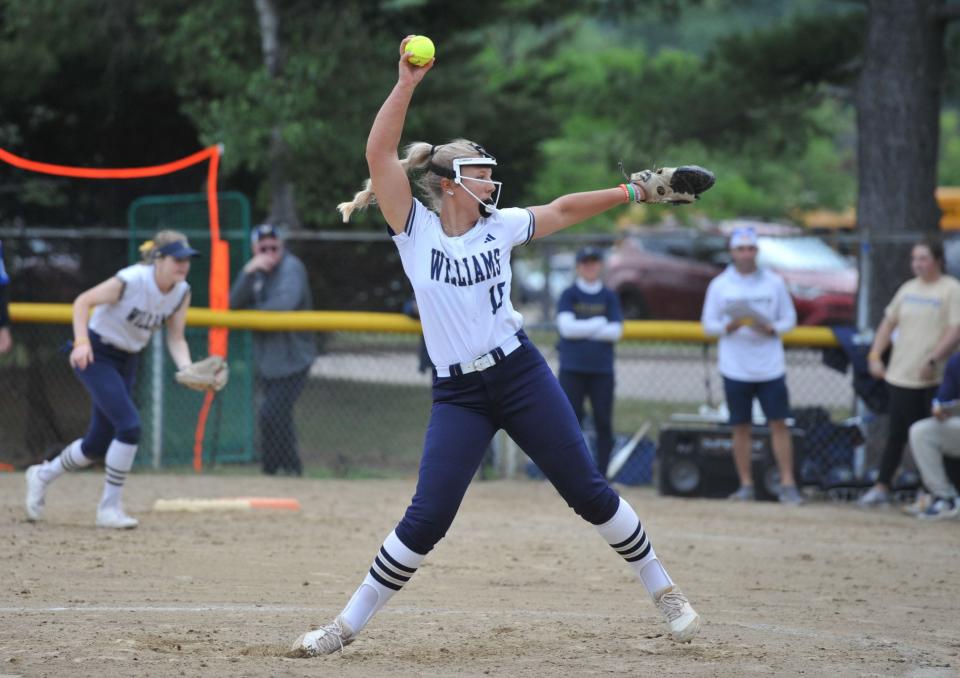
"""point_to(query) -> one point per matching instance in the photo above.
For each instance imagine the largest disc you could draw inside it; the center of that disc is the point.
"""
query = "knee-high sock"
(119, 461)
(71, 458)
(391, 569)
(627, 537)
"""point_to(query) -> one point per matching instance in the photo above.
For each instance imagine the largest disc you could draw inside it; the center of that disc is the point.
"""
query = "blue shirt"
(4, 278)
(950, 386)
(4, 281)
(588, 355)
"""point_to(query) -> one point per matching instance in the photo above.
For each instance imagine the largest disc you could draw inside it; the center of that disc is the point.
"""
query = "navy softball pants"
(522, 396)
(109, 379)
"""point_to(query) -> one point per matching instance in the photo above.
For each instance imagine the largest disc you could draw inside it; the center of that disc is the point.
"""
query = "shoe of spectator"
(789, 494)
(919, 505)
(874, 497)
(745, 493)
(941, 508)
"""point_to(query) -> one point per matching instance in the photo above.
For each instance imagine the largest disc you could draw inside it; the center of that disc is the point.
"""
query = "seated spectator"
(935, 438)
(6, 341)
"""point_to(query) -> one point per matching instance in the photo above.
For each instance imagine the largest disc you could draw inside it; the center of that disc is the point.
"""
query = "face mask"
(486, 208)
(483, 160)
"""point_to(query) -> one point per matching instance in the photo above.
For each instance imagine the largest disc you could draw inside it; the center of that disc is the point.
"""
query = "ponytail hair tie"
(146, 246)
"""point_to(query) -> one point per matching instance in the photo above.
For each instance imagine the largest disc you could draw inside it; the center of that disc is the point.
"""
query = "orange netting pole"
(115, 173)
(219, 298)
(219, 249)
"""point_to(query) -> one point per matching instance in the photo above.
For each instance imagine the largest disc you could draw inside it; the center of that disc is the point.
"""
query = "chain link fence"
(364, 405)
(365, 401)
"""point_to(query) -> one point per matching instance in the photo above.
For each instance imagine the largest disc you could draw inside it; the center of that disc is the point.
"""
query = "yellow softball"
(422, 50)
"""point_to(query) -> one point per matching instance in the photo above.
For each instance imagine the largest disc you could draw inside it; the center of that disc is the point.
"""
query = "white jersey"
(462, 284)
(142, 308)
(745, 354)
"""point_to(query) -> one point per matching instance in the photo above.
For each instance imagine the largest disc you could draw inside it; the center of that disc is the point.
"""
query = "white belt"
(481, 363)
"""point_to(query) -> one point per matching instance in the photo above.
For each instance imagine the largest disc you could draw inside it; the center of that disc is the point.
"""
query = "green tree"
(83, 84)
(898, 123)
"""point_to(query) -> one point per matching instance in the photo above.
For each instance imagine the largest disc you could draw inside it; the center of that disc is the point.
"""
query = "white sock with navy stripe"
(627, 537)
(70, 459)
(119, 461)
(391, 569)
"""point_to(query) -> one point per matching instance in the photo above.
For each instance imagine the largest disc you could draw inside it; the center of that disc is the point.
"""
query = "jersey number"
(496, 296)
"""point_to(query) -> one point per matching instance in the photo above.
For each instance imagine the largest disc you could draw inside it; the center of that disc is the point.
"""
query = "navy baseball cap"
(589, 253)
(178, 249)
(262, 232)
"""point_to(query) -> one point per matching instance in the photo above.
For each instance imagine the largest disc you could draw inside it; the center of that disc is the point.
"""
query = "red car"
(664, 274)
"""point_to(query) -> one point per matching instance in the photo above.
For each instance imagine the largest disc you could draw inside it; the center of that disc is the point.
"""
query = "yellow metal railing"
(353, 321)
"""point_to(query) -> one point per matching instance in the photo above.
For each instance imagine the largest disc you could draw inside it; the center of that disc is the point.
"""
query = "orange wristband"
(873, 355)
(626, 192)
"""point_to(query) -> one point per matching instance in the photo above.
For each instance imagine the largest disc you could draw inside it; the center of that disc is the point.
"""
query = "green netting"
(169, 413)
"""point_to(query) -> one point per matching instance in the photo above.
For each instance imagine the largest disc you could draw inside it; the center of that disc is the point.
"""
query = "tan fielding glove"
(209, 374)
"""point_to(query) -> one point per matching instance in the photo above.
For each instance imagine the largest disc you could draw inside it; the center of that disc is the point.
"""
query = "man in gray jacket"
(275, 280)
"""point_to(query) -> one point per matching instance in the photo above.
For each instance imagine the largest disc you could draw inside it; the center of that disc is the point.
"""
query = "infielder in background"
(590, 322)
(130, 306)
(6, 340)
(749, 308)
(487, 373)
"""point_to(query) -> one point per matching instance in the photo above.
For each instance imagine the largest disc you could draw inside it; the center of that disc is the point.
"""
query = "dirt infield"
(520, 586)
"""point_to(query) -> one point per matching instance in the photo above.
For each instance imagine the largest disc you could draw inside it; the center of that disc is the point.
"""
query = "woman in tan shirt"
(925, 312)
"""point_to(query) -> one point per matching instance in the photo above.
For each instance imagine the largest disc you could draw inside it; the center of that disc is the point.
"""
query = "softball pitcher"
(487, 373)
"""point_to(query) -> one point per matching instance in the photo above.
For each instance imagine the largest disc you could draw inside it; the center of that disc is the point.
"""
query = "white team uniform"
(462, 284)
(142, 308)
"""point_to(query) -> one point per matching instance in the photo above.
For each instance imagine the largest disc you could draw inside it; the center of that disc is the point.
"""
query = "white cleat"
(36, 493)
(325, 640)
(114, 518)
(683, 619)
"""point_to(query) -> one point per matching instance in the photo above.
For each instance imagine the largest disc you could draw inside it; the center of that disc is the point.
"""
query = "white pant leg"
(930, 441)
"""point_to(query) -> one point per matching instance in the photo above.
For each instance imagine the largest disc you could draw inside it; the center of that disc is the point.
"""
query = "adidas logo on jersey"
(489, 238)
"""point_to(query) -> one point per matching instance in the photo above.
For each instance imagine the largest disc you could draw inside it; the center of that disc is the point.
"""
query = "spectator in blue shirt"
(6, 341)
(590, 322)
(936, 438)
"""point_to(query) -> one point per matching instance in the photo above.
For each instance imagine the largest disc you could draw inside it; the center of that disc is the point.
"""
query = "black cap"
(264, 231)
(588, 253)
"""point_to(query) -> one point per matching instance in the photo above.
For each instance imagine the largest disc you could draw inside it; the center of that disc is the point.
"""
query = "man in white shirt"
(749, 308)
